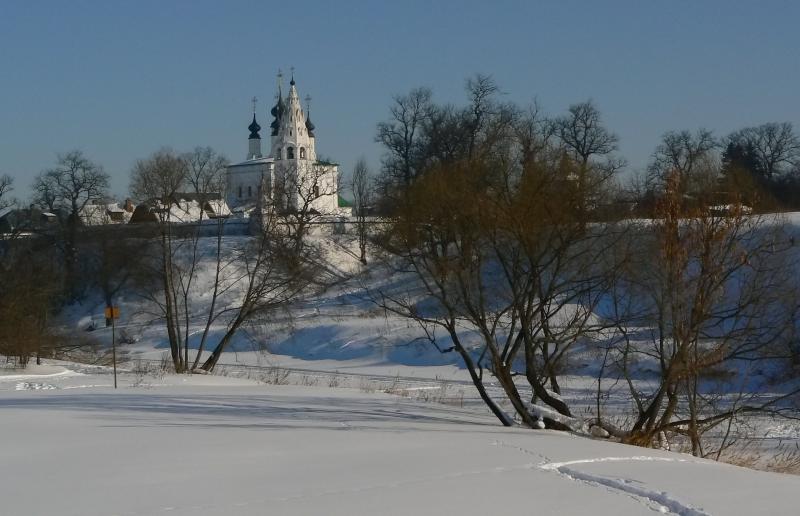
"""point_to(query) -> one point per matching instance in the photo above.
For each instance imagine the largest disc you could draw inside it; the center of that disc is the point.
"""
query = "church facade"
(290, 176)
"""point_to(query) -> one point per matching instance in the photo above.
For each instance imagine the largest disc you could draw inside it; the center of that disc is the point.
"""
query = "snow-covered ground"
(202, 445)
(211, 445)
(342, 331)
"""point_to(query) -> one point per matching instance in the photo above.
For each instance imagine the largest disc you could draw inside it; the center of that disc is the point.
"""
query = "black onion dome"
(277, 112)
(277, 109)
(310, 125)
(254, 128)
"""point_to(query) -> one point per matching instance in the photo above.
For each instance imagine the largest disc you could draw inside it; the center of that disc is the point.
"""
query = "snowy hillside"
(344, 331)
(211, 445)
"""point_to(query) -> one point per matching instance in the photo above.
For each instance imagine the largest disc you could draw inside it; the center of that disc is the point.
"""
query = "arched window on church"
(278, 154)
(240, 192)
(302, 153)
(249, 191)
(289, 152)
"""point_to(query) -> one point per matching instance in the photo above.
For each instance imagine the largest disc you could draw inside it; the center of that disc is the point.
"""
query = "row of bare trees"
(24, 310)
(41, 263)
(522, 262)
(200, 285)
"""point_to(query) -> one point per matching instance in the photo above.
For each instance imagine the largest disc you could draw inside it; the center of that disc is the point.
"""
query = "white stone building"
(290, 176)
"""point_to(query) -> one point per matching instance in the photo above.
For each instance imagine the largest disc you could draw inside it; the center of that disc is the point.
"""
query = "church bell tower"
(292, 130)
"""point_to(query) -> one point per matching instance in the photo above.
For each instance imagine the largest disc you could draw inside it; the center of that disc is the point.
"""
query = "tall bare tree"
(589, 144)
(155, 181)
(401, 134)
(362, 200)
(702, 297)
(586, 138)
(274, 269)
(534, 132)
(496, 237)
(75, 182)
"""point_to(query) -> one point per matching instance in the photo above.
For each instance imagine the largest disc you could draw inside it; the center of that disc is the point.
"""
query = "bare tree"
(206, 170)
(75, 182)
(684, 154)
(6, 186)
(400, 135)
(44, 192)
(586, 138)
(300, 194)
(166, 178)
(362, 199)
(502, 260)
(205, 178)
(155, 181)
(480, 92)
(774, 145)
(72, 184)
(159, 177)
(283, 262)
(276, 269)
(589, 144)
(534, 132)
(701, 295)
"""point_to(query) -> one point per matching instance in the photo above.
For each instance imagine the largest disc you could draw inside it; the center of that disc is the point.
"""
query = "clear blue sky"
(121, 79)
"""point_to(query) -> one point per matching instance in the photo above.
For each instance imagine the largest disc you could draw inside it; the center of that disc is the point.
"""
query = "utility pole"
(112, 312)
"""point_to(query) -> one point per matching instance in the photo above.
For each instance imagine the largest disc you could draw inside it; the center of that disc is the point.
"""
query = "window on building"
(302, 153)
(289, 152)
(249, 191)
(278, 154)
(240, 192)
(316, 190)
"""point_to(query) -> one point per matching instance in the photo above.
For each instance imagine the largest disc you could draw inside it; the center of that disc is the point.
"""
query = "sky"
(121, 79)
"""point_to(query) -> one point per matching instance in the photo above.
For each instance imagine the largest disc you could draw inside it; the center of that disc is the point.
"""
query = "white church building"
(289, 176)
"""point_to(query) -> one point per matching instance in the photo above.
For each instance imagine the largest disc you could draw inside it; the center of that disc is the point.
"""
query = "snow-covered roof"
(99, 214)
(256, 161)
(182, 210)
(219, 207)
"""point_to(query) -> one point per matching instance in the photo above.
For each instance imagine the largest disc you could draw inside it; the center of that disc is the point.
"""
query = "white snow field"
(210, 445)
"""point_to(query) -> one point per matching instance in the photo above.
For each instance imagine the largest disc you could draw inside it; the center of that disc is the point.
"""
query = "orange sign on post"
(112, 312)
